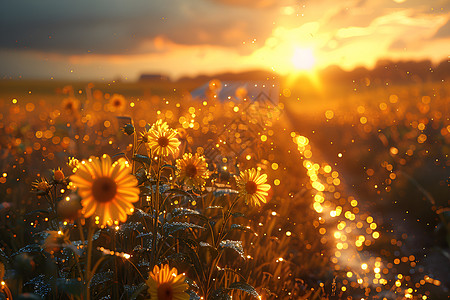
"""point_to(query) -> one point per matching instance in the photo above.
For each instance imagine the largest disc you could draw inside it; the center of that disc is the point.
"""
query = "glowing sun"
(303, 59)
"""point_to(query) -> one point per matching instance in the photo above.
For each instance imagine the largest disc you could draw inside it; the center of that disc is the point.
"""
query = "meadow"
(131, 190)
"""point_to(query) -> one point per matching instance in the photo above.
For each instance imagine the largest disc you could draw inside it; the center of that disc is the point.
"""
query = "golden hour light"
(224, 149)
(303, 59)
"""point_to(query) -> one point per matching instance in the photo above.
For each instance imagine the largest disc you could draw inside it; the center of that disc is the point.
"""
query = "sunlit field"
(161, 190)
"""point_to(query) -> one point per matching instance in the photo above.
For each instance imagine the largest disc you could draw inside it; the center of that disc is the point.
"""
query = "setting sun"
(303, 59)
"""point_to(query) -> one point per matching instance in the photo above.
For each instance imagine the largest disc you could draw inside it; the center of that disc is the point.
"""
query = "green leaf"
(193, 295)
(191, 283)
(181, 212)
(234, 245)
(167, 166)
(214, 207)
(29, 249)
(243, 286)
(141, 288)
(179, 192)
(96, 235)
(223, 192)
(177, 257)
(221, 294)
(170, 228)
(37, 211)
(101, 278)
(208, 246)
(242, 228)
(143, 159)
(69, 286)
(238, 214)
(121, 154)
(139, 213)
(191, 243)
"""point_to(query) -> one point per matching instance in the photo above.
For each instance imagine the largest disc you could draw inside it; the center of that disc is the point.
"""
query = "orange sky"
(109, 39)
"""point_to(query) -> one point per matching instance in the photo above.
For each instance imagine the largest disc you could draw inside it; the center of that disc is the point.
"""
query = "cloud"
(259, 4)
(218, 34)
(118, 27)
(443, 32)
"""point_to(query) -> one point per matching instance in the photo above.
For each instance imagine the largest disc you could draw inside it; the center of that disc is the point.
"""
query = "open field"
(358, 204)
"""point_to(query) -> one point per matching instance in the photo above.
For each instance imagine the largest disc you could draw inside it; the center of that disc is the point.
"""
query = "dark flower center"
(163, 141)
(104, 189)
(116, 103)
(165, 291)
(69, 106)
(191, 170)
(251, 187)
(59, 175)
(43, 186)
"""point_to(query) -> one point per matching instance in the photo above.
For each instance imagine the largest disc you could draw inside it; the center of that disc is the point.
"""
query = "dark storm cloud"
(119, 27)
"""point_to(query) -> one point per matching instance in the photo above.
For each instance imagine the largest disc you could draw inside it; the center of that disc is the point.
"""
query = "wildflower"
(128, 129)
(117, 102)
(159, 125)
(41, 186)
(73, 163)
(144, 136)
(70, 105)
(107, 190)
(55, 240)
(193, 169)
(253, 187)
(165, 284)
(58, 175)
(162, 140)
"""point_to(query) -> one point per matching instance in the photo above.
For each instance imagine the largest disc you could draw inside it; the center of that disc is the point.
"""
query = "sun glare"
(303, 59)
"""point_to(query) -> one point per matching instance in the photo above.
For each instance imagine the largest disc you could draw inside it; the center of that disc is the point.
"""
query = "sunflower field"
(109, 193)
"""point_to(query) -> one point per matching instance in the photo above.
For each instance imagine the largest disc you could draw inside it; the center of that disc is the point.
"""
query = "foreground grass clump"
(127, 220)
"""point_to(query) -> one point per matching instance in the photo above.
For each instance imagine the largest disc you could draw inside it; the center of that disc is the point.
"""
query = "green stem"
(136, 269)
(134, 149)
(156, 204)
(225, 222)
(116, 279)
(89, 258)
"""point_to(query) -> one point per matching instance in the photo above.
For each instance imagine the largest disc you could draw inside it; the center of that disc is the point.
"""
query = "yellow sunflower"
(107, 190)
(193, 169)
(166, 284)
(158, 125)
(253, 187)
(162, 139)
